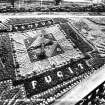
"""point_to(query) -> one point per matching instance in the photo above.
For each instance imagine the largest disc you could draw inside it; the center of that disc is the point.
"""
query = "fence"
(25, 3)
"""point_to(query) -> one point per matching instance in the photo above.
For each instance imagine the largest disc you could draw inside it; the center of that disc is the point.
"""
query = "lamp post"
(41, 2)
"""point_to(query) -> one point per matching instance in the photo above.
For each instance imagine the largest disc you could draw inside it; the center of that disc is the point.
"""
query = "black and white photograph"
(71, 7)
(52, 61)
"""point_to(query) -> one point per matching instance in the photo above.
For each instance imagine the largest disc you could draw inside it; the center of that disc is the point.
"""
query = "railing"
(83, 89)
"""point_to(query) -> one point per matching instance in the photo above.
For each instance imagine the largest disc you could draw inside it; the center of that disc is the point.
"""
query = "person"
(12, 3)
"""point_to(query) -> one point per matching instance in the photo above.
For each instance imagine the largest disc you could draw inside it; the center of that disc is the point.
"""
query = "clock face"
(38, 50)
(42, 46)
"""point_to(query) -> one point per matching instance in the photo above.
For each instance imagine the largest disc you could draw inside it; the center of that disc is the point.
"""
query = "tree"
(57, 2)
